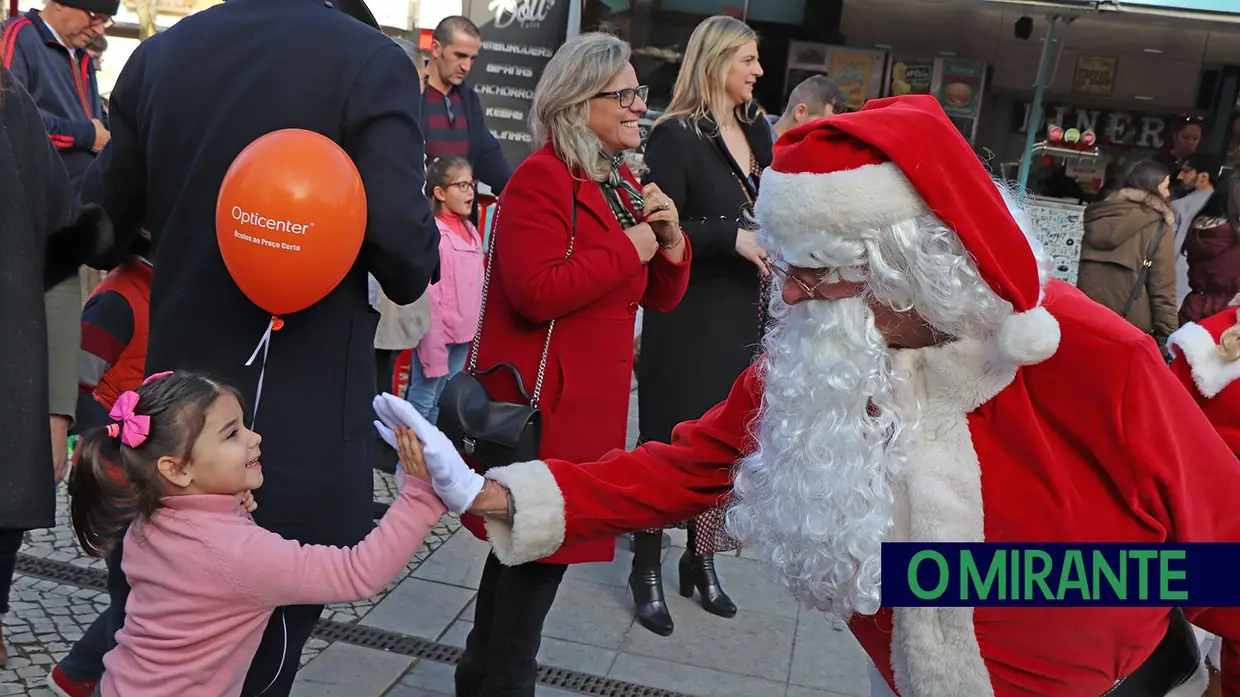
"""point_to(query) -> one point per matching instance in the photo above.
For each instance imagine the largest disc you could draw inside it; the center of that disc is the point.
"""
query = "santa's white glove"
(454, 482)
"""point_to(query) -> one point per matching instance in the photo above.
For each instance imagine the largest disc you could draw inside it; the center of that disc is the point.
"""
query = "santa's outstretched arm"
(1186, 479)
(554, 503)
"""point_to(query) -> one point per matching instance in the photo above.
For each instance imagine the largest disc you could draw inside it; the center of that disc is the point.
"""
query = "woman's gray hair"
(561, 110)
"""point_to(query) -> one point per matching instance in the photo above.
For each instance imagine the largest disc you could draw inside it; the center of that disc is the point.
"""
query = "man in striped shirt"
(453, 120)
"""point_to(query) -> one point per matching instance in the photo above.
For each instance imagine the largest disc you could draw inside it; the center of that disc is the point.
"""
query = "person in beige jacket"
(1128, 251)
(401, 327)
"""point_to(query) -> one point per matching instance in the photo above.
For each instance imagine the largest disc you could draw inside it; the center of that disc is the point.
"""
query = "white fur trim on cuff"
(804, 211)
(1211, 372)
(1029, 337)
(538, 528)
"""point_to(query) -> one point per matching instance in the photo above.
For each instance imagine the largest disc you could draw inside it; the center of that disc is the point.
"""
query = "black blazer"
(189, 100)
(693, 354)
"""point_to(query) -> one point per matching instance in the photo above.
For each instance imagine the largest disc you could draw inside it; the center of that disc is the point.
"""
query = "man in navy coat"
(187, 102)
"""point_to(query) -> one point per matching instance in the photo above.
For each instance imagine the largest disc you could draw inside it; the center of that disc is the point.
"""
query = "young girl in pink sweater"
(204, 577)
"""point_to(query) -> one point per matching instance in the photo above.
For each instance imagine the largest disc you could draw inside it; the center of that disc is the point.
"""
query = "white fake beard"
(815, 498)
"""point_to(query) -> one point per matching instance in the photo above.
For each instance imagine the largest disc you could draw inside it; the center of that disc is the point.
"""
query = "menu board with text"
(518, 39)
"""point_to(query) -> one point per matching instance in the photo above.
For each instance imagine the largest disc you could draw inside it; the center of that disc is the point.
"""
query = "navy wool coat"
(187, 102)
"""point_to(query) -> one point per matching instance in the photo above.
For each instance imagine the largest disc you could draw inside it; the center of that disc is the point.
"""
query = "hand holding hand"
(747, 246)
(644, 240)
(246, 499)
(660, 212)
(453, 481)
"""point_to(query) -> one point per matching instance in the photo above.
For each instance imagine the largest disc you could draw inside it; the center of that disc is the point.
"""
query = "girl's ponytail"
(99, 494)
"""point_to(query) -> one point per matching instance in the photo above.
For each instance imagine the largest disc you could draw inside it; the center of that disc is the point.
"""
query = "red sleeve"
(668, 281)
(1188, 480)
(532, 239)
(561, 503)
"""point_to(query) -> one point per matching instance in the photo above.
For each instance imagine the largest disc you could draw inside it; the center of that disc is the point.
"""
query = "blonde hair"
(702, 82)
(560, 113)
(1229, 342)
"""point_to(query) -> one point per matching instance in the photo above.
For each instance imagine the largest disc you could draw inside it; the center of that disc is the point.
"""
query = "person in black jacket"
(45, 242)
(187, 102)
(706, 152)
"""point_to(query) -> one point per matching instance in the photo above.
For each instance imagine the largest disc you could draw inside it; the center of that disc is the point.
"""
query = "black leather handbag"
(488, 432)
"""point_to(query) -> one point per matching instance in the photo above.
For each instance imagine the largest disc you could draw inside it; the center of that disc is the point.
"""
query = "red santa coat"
(1207, 375)
(1095, 444)
(593, 296)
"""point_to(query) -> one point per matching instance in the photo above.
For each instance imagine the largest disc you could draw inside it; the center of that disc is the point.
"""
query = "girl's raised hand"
(412, 461)
(246, 499)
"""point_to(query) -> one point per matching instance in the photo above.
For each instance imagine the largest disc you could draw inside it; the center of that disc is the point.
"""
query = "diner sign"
(518, 39)
(1112, 126)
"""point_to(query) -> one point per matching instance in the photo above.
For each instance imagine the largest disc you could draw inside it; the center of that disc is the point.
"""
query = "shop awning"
(1202, 10)
(1206, 10)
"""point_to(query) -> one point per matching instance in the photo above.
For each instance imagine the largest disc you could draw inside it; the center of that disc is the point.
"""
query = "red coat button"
(633, 308)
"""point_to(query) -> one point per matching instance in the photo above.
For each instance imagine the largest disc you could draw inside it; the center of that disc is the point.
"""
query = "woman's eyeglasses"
(627, 96)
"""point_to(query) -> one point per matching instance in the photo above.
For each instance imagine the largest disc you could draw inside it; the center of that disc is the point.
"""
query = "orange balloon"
(290, 219)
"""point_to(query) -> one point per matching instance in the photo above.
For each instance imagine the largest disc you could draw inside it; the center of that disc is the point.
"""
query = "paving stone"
(798, 691)
(827, 657)
(748, 644)
(343, 670)
(420, 608)
(691, 680)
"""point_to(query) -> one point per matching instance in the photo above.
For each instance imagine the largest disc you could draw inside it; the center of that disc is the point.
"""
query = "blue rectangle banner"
(1061, 574)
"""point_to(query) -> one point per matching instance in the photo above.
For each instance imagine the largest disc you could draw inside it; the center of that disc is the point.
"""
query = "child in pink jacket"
(456, 299)
(205, 578)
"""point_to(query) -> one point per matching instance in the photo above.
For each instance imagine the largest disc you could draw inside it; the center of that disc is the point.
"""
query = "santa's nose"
(794, 293)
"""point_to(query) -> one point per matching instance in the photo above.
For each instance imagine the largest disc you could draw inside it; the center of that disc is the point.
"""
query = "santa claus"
(923, 381)
(1207, 362)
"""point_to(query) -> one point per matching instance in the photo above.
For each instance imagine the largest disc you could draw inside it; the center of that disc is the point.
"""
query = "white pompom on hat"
(897, 159)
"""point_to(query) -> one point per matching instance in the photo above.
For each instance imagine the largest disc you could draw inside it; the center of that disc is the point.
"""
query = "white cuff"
(538, 527)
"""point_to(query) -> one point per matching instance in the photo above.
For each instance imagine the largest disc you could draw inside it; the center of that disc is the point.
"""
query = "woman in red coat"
(627, 250)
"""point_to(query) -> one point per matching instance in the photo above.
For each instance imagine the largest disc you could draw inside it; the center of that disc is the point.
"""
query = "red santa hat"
(843, 177)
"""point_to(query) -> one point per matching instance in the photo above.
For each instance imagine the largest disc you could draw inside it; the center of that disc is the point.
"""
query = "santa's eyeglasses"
(821, 276)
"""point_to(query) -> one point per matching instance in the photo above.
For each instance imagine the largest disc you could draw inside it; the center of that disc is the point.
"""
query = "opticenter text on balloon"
(269, 223)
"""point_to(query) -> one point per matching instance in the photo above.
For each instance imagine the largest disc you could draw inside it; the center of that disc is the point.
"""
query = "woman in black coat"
(44, 241)
(707, 153)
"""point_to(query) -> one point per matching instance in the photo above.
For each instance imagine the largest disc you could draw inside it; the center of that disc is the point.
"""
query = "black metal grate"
(369, 637)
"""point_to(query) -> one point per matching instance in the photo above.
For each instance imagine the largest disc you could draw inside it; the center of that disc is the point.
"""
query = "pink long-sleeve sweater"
(206, 578)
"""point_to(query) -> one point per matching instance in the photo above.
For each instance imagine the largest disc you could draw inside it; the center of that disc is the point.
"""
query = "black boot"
(646, 582)
(698, 571)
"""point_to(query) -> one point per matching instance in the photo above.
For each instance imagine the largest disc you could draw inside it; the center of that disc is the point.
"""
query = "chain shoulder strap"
(486, 286)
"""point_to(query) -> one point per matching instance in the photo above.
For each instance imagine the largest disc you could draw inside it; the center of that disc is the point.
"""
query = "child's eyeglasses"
(465, 187)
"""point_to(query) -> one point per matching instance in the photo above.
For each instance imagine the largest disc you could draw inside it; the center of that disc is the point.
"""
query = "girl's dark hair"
(1216, 205)
(112, 482)
(439, 174)
(1147, 176)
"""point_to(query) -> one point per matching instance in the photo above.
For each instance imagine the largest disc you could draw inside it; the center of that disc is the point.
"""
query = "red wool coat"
(593, 296)
(1207, 375)
(1097, 443)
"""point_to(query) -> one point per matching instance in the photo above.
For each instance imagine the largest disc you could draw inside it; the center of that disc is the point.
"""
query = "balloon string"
(264, 344)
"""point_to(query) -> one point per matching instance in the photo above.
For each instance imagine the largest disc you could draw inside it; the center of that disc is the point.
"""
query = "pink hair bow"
(132, 428)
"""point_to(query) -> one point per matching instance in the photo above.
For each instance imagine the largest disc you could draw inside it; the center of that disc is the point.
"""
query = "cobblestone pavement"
(45, 617)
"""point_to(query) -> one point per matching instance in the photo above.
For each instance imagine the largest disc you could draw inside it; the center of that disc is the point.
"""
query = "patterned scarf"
(611, 188)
